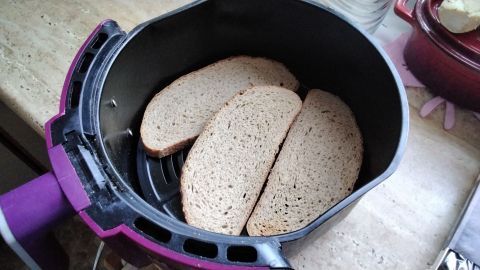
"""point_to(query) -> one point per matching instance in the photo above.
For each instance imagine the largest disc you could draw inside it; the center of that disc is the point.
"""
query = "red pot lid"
(464, 47)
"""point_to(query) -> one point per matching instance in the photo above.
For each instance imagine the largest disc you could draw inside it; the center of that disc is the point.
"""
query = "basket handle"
(27, 215)
(403, 11)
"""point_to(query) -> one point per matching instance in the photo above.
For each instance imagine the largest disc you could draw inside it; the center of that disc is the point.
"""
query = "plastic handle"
(27, 215)
(403, 11)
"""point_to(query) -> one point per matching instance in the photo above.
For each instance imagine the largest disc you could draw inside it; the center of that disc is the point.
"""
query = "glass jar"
(366, 13)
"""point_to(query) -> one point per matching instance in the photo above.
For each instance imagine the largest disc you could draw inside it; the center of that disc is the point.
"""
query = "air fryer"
(130, 200)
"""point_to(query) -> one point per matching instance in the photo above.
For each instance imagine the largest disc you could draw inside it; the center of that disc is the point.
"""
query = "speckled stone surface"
(38, 40)
(399, 225)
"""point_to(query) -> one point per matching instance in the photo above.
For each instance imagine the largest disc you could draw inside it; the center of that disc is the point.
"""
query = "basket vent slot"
(101, 38)
(153, 230)
(75, 94)
(86, 61)
(246, 254)
(200, 248)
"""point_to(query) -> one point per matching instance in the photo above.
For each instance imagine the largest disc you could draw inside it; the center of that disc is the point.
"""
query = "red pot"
(448, 64)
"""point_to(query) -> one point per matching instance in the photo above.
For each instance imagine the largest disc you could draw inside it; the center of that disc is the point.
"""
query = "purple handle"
(27, 215)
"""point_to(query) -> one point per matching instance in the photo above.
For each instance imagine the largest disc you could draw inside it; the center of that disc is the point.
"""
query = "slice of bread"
(177, 114)
(316, 168)
(229, 162)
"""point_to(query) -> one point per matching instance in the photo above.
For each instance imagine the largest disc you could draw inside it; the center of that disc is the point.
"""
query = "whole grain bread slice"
(316, 168)
(178, 113)
(229, 162)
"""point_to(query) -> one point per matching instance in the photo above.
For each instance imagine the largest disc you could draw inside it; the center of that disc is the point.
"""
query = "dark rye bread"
(316, 168)
(229, 162)
(178, 113)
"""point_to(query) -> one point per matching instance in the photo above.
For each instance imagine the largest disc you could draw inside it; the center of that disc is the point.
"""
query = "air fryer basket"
(130, 188)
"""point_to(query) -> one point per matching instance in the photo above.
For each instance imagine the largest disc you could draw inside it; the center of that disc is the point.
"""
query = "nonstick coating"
(320, 49)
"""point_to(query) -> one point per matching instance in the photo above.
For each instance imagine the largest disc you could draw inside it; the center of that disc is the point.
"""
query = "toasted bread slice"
(316, 168)
(177, 114)
(229, 162)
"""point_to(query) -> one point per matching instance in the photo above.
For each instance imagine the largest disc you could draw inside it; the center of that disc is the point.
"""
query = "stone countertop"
(401, 224)
(39, 39)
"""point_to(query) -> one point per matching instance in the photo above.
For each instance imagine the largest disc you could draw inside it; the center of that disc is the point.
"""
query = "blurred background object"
(366, 13)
